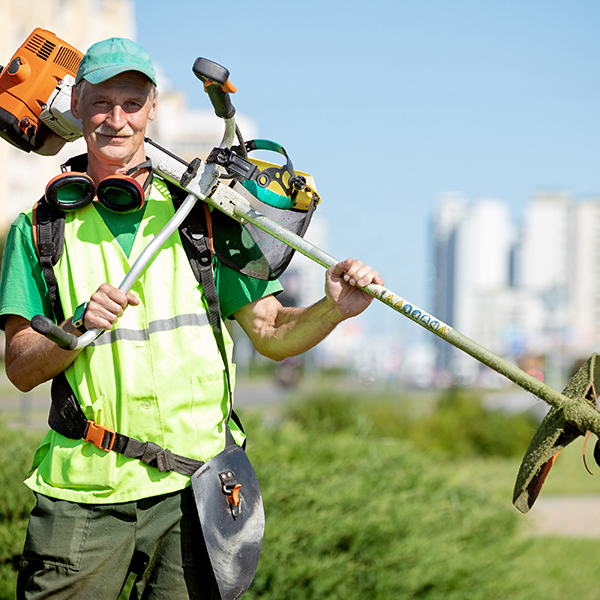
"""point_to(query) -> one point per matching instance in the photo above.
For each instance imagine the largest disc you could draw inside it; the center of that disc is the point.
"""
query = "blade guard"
(554, 434)
(232, 520)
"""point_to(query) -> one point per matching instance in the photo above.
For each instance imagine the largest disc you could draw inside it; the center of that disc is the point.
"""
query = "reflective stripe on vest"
(109, 337)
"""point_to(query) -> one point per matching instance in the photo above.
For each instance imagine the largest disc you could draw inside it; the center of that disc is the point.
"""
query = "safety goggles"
(72, 190)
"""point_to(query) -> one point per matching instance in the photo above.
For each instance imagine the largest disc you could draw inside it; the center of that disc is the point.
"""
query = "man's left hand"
(342, 286)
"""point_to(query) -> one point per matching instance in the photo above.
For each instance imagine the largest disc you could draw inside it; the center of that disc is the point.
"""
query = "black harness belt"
(67, 418)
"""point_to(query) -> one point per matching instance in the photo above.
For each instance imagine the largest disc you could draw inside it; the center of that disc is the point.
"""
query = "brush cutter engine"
(35, 94)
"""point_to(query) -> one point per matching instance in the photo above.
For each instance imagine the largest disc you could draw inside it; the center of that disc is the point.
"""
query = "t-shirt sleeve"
(236, 289)
(23, 290)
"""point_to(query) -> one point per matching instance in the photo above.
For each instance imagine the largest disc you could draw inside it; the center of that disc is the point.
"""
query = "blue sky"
(389, 103)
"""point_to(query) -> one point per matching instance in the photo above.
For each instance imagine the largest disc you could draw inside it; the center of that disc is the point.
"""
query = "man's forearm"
(300, 329)
(30, 358)
(278, 331)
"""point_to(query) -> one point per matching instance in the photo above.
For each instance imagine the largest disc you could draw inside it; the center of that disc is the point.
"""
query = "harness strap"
(197, 245)
(68, 419)
(196, 237)
(49, 237)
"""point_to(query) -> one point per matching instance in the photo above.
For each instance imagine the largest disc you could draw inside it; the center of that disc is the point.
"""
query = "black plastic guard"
(554, 434)
(233, 543)
(12, 133)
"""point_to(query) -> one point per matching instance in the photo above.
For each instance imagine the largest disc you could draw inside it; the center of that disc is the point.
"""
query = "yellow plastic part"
(304, 198)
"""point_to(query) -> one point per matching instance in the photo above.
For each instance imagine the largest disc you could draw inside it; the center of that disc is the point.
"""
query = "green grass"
(350, 516)
(559, 569)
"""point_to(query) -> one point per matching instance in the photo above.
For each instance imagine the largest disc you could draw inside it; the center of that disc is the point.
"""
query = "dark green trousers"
(89, 550)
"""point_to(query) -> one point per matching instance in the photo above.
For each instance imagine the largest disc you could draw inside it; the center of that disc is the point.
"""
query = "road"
(31, 409)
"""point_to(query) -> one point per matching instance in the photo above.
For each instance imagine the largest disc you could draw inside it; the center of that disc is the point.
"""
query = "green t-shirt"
(23, 289)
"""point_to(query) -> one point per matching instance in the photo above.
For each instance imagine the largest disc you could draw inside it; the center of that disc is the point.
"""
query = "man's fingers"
(360, 274)
(106, 305)
(356, 273)
(342, 267)
(102, 318)
(132, 300)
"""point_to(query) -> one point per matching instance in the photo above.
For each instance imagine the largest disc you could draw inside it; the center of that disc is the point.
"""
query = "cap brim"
(106, 73)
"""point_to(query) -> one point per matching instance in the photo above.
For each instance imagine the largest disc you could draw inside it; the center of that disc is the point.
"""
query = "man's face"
(114, 115)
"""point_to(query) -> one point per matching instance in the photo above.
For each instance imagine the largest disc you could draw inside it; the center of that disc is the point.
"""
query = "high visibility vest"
(157, 375)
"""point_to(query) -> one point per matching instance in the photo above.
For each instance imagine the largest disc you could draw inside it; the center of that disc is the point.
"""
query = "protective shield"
(554, 434)
(231, 514)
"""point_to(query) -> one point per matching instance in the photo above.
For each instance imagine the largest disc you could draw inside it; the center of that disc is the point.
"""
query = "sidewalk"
(568, 516)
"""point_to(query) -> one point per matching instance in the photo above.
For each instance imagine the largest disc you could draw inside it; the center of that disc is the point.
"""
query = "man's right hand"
(105, 307)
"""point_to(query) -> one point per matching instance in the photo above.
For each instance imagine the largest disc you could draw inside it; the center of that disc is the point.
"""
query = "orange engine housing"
(27, 83)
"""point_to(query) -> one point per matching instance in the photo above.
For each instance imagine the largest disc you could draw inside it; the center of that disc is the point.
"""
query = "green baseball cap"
(111, 57)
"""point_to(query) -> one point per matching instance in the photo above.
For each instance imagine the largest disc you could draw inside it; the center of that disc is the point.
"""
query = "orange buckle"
(96, 434)
(234, 501)
(234, 497)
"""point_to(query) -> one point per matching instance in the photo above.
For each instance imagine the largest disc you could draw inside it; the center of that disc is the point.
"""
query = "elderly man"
(157, 376)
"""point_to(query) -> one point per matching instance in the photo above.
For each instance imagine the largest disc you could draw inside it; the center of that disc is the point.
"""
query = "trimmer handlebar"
(53, 332)
(217, 85)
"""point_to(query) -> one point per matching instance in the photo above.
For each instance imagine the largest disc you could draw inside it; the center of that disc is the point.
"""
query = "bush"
(16, 501)
(349, 517)
(459, 425)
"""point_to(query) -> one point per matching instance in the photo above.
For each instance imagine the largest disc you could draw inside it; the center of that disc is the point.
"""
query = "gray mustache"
(104, 129)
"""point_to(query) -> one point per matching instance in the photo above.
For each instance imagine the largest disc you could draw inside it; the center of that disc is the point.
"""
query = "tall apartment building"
(584, 278)
(472, 256)
(449, 212)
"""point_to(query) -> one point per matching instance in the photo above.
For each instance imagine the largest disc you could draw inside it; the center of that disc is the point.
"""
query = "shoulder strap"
(49, 238)
(48, 226)
(196, 237)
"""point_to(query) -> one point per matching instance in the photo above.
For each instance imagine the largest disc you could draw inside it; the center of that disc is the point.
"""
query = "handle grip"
(53, 332)
(216, 85)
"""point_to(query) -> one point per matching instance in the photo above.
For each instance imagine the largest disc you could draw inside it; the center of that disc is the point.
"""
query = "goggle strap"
(147, 164)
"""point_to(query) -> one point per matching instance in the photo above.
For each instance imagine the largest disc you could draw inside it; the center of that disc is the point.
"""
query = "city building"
(472, 252)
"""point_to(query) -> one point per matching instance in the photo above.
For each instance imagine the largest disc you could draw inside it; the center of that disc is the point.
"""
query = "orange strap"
(209, 227)
(587, 437)
(34, 224)
(234, 497)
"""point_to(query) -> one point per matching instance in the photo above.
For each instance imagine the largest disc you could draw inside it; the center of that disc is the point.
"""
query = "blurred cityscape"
(528, 292)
